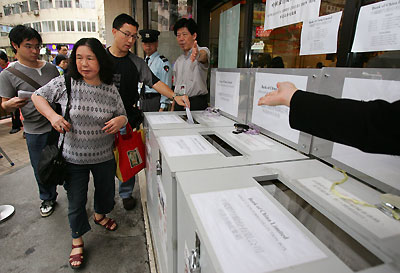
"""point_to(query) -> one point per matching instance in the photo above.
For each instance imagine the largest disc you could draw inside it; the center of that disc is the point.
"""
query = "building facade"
(58, 21)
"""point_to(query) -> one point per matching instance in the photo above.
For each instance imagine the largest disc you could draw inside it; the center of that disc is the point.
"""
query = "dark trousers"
(76, 185)
(36, 143)
(150, 103)
(16, 119)
(196, 103)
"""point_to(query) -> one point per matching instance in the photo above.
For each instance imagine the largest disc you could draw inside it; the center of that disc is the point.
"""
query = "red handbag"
(129, 152)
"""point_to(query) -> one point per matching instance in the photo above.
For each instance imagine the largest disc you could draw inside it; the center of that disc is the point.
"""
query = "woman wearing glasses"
(96, 114)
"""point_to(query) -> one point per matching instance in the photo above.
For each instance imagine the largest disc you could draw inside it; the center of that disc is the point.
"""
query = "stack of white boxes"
(224, 202)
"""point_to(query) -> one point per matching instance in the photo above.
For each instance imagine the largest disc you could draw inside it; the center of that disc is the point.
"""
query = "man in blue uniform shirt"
(150, 99)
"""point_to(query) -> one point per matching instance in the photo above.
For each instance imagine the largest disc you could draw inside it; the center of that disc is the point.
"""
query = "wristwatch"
(173, 97)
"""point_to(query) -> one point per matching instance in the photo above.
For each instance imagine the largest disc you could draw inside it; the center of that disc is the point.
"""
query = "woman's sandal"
(76, 257)
(107, 225)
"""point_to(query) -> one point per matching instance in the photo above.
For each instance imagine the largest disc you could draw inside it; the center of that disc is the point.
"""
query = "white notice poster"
(381, 167)
(283, 13)
(164, 119)
(378, 27)
(275, 118)
(371, 218)
(187, 145)
(319, 36)
(227, 92)
(250, 233)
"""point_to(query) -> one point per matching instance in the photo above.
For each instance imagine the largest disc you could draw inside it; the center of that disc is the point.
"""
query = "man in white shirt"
(190, 69)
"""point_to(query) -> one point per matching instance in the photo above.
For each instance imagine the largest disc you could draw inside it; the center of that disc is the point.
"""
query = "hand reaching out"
(195, 51)
(282, 96)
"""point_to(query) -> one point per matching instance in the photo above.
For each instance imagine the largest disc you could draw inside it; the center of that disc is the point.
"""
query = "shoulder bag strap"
(24, 77)
(66, 115)
(68, 86)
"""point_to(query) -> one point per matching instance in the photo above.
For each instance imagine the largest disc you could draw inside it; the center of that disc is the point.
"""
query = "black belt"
(151, 95)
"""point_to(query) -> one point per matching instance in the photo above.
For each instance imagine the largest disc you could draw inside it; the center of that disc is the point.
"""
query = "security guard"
(150, 99)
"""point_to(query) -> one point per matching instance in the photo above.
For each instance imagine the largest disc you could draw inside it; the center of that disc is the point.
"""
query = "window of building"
(46, 4)
(24, 6)
(34, 4)
(85, 4)
(86, 26)
(65, 25)
(376, 59)
(37, 26)
(28, 25)
(63, 3)
(7, 10)
(15, 8)
(48, 26)
(283, 44)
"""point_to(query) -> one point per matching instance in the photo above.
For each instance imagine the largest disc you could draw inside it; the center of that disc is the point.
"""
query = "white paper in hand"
(24, 94)
(189, 115)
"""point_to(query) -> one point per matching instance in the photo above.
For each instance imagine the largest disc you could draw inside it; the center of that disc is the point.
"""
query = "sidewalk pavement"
(32, 244)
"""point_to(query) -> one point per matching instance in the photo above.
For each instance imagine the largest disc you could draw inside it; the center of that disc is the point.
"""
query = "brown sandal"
(76, 257)
(107, 225)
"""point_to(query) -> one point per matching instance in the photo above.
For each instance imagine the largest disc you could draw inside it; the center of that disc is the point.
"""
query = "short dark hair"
(3, 56)
(122, 19)
(105, 62)
(19, 33)
(60, 58)
(59, 46)
(190, 24)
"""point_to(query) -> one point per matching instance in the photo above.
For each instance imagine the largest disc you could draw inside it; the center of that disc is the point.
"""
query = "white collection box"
(281, 217)
(173, 151)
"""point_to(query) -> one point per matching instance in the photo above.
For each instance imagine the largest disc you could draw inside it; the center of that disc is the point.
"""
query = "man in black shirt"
(130, 72)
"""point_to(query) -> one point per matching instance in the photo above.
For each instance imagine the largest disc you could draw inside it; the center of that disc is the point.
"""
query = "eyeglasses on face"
(31, 46)
(127, 36)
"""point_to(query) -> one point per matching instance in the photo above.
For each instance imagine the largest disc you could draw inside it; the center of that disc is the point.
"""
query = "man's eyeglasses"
(127, 36)
(31, 46)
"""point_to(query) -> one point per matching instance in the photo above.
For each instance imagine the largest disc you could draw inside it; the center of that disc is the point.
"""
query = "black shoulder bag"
(52, 165)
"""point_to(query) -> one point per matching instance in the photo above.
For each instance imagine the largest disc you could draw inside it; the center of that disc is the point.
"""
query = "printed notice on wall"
(382, 167)
(250, 233)
(282, 13)
(371, 218)
(319, 36)
(275, 118)
(252, 142)
(164, 119)
(187, 145)
(227, 92)
(378, 27)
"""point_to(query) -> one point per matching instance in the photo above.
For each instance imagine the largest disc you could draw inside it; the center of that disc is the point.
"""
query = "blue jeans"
(36, 143)
(76, 185)
(126, 188)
